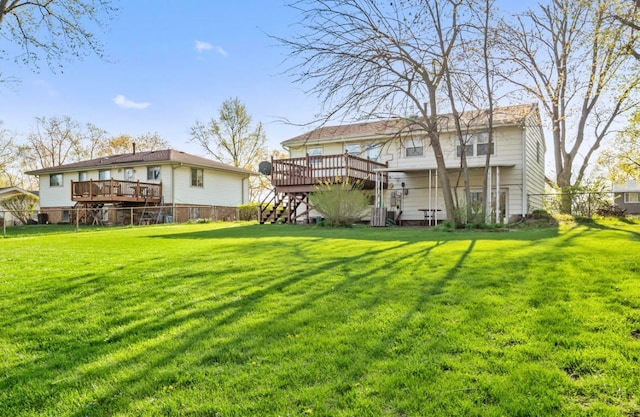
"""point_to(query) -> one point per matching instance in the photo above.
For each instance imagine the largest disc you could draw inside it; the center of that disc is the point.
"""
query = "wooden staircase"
(283, 208)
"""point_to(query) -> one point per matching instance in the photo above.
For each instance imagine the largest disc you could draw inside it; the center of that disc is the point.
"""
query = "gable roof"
(629, 187)
(502, 116)
(16, 190)
(166, 156)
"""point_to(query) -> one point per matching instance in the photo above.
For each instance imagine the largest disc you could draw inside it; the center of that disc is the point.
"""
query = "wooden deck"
(116, 191)
(303, 174)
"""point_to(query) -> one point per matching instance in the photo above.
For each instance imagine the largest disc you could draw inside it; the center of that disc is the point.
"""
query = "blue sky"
(167, 67)
(169, 64)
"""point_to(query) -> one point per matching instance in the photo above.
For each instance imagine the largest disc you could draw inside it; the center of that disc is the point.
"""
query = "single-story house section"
(627, 196)
(141, 188)
(8, 217)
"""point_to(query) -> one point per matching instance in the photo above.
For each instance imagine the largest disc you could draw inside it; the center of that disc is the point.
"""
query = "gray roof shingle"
(502, 116)
(144, 158)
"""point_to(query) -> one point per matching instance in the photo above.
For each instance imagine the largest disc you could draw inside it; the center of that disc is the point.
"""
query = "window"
(197, 176)
(129, 174)
(314, 151)
(632, 197)
(153, 173)
(413, 148)
(55, 180)
(353, 149)
(315, 155)
(373, 151)
(82, 176)
(468, 150)
(476, 145)
(482, 144)
(194, 213)
(104, 174)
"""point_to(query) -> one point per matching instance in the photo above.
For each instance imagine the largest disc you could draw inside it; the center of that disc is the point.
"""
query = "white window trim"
(628, 200)
(472, 140)
(416, 143)
(196, 185)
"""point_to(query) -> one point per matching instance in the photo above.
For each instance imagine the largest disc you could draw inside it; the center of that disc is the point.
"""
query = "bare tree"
(233, 140)
(55, 141)
(368, 58)
(53, 31)
(570, 56)
(474, 86)
(21, 206)
(125, 143)
(7, 157)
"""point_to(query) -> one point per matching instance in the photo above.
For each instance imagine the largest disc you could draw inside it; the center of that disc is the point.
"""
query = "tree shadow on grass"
(137, 352)
(75, 365)
(253, 231)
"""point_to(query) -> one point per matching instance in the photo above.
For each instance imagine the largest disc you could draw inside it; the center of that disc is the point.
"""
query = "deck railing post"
(346, 167)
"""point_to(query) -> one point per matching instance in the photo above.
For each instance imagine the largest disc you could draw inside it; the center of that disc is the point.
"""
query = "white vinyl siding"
(219, 188)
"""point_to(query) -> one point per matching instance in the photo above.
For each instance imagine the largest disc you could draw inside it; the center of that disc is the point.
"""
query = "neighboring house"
(150, 187)
(627, 197)
(6, 216)
(399, 164)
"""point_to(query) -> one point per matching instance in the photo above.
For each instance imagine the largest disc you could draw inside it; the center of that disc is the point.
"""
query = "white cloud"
(202, 46)
(221, 51)
(125, 103)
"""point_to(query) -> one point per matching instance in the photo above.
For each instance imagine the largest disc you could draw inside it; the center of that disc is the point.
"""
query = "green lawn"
(275, 320)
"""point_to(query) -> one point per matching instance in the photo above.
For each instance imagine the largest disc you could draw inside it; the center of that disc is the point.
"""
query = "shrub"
(341, 204)
(21, 206)
(248, 211)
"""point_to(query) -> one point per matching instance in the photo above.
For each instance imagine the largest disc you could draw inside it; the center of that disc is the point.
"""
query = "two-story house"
(400, 165)
(142, 187)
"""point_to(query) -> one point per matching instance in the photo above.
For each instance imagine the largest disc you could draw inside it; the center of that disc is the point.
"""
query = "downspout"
(173, 191)
(245, 187)
(524, 170)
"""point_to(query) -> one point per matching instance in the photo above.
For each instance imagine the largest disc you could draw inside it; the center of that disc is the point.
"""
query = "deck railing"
(115, 190)
(314, 170)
